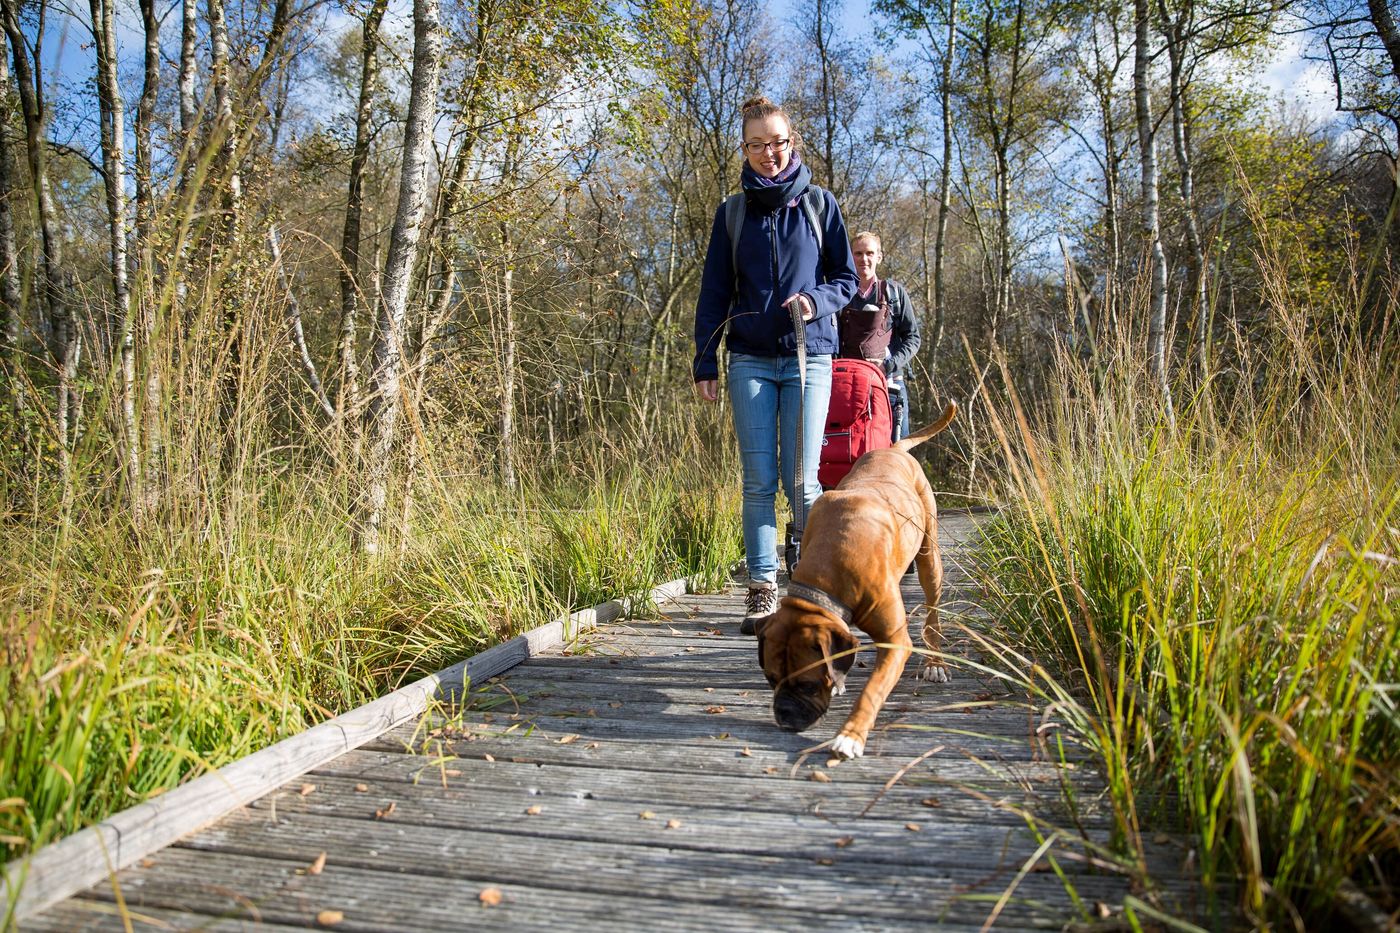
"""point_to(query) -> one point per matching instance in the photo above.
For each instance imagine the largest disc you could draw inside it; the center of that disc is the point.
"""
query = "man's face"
(867, 256)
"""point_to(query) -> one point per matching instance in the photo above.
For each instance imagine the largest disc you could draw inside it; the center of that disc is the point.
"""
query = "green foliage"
(1214, 611)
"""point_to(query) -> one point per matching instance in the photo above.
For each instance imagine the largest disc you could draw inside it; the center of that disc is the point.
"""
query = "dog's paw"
(839, 688)
(936, 673)
(843, 746)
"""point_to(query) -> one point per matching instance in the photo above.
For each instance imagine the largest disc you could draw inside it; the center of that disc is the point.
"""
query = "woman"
(789, 251)
(879, 325)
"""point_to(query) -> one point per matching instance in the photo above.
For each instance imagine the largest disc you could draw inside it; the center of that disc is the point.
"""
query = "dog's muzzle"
(799, 707)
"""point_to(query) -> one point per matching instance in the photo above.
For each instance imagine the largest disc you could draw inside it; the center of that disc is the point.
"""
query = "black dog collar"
(822, 600)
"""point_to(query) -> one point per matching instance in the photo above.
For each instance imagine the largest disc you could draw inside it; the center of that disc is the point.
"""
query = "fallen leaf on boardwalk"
(832, 762)
(385, 811)
(1102, 910)
(568, 739)
(361, 788)
(329, 918)
(1161, 839)
(145, 862)
(673, 824)
(615, 704)
(452, 772)
(771, 769)
(821, 777)
(826, 861)
(490, 897)
(745, 752)
(535, 810)
(490, 759)
(307, 789)
(716, 708)
(646, 815)
(743, 693)
(721, 737)
(709, 689)
(913, 827)
(316, 866)
(593, 713)
(845, 841)
(713, 631)
(931, 802)
(592, 745)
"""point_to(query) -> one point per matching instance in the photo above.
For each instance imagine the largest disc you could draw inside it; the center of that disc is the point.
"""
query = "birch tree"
(385, 405)
(1150, 221)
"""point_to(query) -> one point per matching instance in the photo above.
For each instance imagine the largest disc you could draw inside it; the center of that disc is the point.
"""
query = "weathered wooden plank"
(85, 858)
(685, 876)
(370, 899)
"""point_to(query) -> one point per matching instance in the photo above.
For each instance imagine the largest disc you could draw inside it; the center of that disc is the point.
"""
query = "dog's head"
(805, 655)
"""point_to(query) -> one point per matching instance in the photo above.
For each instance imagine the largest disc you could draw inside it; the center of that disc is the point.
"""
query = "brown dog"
(859, 539)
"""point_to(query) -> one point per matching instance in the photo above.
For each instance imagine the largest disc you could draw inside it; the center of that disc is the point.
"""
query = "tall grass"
(132, 662)
(1214, 606)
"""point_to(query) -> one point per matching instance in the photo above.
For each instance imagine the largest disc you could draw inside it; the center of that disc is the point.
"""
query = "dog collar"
(822, 600)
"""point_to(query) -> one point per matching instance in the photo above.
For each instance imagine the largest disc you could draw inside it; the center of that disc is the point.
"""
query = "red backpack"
(857, 419)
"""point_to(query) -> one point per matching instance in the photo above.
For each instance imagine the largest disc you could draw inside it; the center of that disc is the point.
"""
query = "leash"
(799, 473)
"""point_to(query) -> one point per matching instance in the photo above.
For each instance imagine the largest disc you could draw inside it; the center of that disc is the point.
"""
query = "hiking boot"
(761, 601)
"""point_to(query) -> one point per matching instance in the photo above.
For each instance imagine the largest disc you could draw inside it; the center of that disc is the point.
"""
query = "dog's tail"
(923, 434)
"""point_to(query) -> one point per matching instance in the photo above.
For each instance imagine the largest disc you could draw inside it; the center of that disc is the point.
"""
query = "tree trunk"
(145, 251)
(294, 328)
(385, 404)
(53, 279)
(11, 368)
(945, 188)
(507, 361)
(1151, 230)
(1175, 34)
(112, 123)
(188, 37)
(348, 402)
(1383, 18)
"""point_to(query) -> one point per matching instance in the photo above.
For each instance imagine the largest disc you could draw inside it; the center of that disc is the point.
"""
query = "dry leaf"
(451, 772)
(745, 752)
(1102, 910)
(490, 897)
(490, 759)
(913, 827)
(721, 737)
(821, 777)
(709, 689)
(646, 815)
(307, 789)
(832, 762)
(593, 713)
(361, 788)
(592, 745)
(385, 811)
(568, 739)
(845, 841)
(535, 810)
(329, 918)
(743, 693)
(771, 769)
(317, 865)
(826, 861)
(714, 709)
(614, 704)
(673, 824)
(1161, 839)
(931, 802)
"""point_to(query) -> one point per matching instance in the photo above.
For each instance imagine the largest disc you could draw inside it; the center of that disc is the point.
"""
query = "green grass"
(1214, 609)
(135, 662)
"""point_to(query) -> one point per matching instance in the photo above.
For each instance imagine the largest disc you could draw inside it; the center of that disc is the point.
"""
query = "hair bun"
(757, 103)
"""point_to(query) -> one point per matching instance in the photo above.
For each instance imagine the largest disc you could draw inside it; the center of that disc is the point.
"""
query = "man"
(879, 325)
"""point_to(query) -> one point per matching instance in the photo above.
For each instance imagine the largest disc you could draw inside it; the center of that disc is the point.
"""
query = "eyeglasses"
(780, 145)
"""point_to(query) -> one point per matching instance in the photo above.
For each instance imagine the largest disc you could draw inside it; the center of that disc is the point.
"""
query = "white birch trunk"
(1151, 228)
(385, 405)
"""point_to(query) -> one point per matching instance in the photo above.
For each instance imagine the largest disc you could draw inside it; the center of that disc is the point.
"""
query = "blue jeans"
(763, 393)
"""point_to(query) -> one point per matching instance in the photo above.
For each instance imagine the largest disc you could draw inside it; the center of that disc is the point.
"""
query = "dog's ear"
(761, 629)
(840, 654)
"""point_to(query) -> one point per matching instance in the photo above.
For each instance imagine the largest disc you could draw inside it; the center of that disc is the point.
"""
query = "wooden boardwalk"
(635, 780)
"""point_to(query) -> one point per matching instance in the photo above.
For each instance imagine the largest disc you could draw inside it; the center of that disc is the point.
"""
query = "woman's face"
(768, 144)
(866, 253)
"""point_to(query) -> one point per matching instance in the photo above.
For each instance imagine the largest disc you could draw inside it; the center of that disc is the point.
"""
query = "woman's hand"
(803, 302)
(707, 389)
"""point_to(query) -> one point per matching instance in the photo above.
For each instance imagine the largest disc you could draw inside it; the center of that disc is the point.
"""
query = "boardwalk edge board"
(57, 871)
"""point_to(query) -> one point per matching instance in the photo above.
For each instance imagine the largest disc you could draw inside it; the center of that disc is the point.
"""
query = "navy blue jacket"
(777, 259)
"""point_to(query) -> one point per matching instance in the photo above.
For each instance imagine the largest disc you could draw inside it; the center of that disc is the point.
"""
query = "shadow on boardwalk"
(636, 780)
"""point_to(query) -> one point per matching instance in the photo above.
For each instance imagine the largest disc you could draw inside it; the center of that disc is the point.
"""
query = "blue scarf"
(784, 188)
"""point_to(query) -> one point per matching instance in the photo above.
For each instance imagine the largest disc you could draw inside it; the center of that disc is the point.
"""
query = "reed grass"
(133, 662)
(1213, 607)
